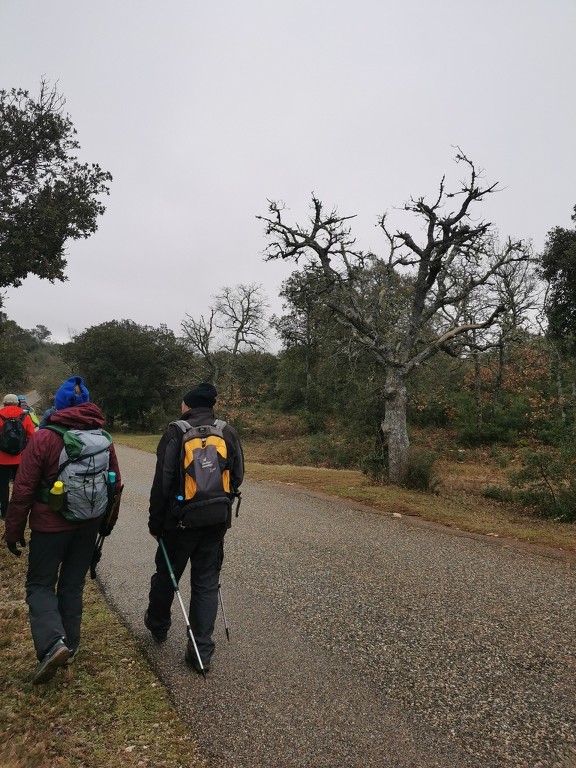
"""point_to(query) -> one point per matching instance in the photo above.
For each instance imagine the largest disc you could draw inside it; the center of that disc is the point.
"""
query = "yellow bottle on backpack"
(57, 496)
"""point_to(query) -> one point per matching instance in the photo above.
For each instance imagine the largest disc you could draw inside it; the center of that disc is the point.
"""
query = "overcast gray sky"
(202, 111)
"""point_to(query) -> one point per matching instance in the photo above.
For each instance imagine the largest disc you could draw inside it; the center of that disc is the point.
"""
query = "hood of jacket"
(11, 410)
(83, 416)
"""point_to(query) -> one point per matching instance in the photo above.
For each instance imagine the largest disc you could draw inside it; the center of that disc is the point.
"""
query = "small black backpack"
(12, 434)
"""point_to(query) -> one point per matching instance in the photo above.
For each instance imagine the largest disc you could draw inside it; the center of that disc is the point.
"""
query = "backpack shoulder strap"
(57, 428)
(185, 425)
(23, 415)
(182, 425)
(62, 431)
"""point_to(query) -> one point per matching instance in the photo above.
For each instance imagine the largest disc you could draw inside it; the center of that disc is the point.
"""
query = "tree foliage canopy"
(130, 369)
(15, 345)
(558, 264)
(46, 195)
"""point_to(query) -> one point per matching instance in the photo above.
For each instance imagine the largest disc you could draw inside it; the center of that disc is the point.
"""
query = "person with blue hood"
(61, 549)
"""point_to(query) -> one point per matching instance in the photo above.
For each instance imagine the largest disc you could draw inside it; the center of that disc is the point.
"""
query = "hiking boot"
(73, 652)
(56, 657)
(158, 636)
(191, 658)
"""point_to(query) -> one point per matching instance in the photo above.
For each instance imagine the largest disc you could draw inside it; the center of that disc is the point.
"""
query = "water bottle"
(56, 501)
(111, 489)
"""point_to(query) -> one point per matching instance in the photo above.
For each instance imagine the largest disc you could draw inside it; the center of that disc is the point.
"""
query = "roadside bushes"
(546, 483)
(421, 473)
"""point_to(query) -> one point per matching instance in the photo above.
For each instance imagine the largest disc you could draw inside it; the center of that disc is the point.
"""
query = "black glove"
(12, 546)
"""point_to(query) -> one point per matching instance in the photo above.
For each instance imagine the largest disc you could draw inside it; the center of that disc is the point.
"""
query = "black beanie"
(204, 395)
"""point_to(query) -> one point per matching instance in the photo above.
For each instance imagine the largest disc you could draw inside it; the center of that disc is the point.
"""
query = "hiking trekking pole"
(238, 496)
(179, 596)
(113, 505)
(223, 612)
(96, 555)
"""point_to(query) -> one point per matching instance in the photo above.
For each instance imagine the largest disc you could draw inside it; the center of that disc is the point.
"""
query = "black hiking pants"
(57, 568)
(204, 548)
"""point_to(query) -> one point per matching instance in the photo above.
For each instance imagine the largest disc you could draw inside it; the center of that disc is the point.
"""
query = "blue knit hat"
(72, 392)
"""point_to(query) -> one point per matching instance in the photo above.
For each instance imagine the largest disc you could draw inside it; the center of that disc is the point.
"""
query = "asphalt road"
(362, 640)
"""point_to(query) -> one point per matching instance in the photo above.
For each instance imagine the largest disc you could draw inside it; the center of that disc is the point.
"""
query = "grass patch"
(107, 710)
(141, 442)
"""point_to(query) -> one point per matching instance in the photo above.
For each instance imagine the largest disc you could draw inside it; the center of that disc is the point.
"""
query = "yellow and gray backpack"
(204, 495)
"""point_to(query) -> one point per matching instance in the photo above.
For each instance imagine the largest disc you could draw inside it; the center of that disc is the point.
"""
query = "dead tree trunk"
(406, 307)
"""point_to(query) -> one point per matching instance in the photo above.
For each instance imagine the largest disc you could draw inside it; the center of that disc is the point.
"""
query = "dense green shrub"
(547, 483)
(487, 434)
(337, 450)
(375, 465)
(421, 472)
(497, 493)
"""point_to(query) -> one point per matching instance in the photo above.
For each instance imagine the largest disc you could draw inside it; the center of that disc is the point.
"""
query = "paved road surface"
(360, 640)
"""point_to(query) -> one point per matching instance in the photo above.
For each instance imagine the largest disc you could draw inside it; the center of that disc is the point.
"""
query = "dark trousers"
(204, 548)
(7, 473)
(57, 568)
